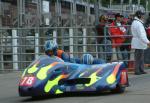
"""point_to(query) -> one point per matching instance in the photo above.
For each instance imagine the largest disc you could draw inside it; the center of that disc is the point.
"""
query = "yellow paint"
(58, 91)
(52, 83)
(33, 69)
(111, 79)
(93, 79)
(42, 74)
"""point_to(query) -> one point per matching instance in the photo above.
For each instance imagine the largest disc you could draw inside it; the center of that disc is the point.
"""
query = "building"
(23, 21)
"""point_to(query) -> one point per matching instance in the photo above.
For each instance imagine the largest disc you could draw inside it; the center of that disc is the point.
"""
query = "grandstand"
(33, 13)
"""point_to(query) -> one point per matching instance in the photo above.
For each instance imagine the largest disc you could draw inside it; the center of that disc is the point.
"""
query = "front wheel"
(119, 89)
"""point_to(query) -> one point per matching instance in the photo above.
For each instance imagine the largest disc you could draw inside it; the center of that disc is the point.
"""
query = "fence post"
(55, 36)
(71, 42)
(97, 52)
(1, 49)
(36, 45)
(15, 51)
(114, 54)
(84, 41)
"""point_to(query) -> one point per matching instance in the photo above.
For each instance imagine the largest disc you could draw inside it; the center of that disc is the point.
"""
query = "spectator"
(147, 25)
(100, 28)
(126, 47)
(102, 39)
(148, 32)
(123, 20)
(118, 31)
(130, 19)
(129, 37)
(139, 42)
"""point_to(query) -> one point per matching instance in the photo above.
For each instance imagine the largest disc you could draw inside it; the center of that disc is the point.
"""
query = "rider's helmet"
(50, 45)
(87, 59)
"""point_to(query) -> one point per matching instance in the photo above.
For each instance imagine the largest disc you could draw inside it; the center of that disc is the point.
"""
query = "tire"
(119, 89)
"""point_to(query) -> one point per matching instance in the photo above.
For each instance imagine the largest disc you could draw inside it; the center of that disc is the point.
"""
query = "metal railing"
(20, 46)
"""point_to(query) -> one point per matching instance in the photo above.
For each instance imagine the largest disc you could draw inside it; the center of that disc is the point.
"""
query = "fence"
(20, 46)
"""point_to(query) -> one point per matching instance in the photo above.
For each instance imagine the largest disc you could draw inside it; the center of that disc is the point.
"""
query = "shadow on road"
(67, 95)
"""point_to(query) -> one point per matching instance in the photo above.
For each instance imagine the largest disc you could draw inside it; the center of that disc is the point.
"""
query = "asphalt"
(9, 90)
(132, 75)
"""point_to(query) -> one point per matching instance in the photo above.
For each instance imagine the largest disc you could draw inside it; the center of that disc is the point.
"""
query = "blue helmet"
(50, 45)
(87, 59)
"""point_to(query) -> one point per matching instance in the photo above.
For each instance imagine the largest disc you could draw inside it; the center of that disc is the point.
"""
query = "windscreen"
(45, 60)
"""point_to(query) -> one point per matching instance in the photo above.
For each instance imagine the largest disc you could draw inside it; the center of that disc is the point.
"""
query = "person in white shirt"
(139, 42)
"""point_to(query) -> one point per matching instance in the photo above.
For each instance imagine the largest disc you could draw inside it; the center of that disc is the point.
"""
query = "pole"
(146, 5)
(96, 7)
(21, 11)
(15, 49)
(1, 49)
(130, 4)
(110, 3)
(55, 35)
(139, 1)
(1, 40)
(122, 5)
(88, 12)
(39, 12)
(84, 40)
(0, 11)
(58, 11)
(36, 45)
(71, 42)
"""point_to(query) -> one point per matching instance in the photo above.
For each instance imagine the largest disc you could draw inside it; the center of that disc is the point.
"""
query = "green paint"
(58, 91)
(42, 74)
(94, 78)
(52, 83)
(33, 69)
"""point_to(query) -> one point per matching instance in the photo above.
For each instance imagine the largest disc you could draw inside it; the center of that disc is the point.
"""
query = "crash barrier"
(20, 46)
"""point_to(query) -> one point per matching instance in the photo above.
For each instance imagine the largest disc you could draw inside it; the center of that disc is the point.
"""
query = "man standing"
(102, 37)
(139, 42)
(117, 31)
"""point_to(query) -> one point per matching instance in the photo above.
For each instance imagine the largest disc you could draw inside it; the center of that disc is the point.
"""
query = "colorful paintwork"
(52, 76)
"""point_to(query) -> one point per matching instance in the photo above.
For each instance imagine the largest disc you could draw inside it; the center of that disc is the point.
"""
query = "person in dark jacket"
(102, 32)
(147, 23)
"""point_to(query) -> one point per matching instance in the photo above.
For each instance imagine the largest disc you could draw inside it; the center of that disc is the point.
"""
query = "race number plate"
(27, 81)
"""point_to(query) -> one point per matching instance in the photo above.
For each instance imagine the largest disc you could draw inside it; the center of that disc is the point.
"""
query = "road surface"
(138, 92)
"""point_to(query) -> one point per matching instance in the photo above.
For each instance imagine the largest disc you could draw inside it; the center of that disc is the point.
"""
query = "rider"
(51, 49)
(89, 59)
